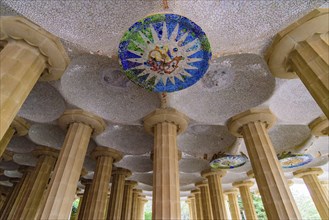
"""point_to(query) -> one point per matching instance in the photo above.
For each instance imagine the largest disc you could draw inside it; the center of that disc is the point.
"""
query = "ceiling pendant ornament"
(164, 53)
(291, 160)
(226, 161)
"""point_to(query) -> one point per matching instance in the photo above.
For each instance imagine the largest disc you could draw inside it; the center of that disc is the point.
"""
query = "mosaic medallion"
(226, 161)
(164, 53)
(289, 160)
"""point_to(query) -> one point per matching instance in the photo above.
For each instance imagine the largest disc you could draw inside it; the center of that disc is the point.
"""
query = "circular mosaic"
(228, 162)
(164, 53)
(295, 160)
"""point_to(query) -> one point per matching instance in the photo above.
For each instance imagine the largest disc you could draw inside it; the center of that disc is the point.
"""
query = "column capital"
(196, 191)
(201, 183)
(308, 171)
(286, 40)
(320, 126)
(166, 115)
(131, 183)
(20, 126)
(80, 116)
(19, 28)
(25, 169)
(251, 174)
(122, 171)
(236, 123)
(211, 172)
(137, 191)
(42, 150)
(101, 151)
(231, 191)
(84, 172)
(14, 180)
(247, 183)
(290, 182)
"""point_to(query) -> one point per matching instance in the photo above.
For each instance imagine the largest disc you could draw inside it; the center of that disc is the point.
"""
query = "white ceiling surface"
(91, 32)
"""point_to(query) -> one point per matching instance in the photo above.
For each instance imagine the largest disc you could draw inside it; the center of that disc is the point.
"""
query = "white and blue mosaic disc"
(228, 162)
(295, 160)
(165, 53)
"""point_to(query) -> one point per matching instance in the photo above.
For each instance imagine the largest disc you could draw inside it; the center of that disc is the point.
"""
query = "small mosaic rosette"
(290, 160)
(164, 53)
(226, 161)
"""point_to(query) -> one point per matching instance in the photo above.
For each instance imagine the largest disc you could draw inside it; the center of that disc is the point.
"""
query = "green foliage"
(75, 206)
(148, 215)
(259, 208)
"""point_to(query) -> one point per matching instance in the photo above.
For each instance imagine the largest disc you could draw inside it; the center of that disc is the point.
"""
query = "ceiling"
(238, 79)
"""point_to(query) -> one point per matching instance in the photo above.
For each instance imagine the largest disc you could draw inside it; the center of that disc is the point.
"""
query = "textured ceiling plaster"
(145, 178)
(232, 84)
(144, 187)
(13, 173)
(44, 104)
(193, 165)
(4, 178)
(293, 104)
(121, 101)
(205, 139)
(188, 187)
(8, 165)
(20, 145)
(189, 178)
(127, 139)
(234, 177)
(136, 163)
(319, 145)
(25, 159)
(6, 183)
(285, 137)
(47, 135)
(231, 26)
(89, 164)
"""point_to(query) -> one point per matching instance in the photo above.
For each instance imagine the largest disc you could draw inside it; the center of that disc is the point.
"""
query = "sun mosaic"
(165, 53)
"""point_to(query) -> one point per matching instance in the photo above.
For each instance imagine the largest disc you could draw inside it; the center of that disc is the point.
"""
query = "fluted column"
(11, 197)
(205, 200)
(2, 200)
(134, 210)
(247, 201)
(318, 194)
(192, 206)
(18, 127)
(233, 203)
(141, 204)
(302, 50)
(198, 204)
(216, 192)
(30, 53)
(127, 200)
(165, 125)
(86, 195)
(98, 192)
(188, 202)
(41, 174)
(252, 125)
(325, 185)
(23, 192)
(116, 197)
(67, 171)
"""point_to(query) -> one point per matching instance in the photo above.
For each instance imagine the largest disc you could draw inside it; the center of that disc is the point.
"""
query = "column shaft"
(116, 197)
(127, 201)
(141, 205)
(318, 195)
(83, 207)
(97, 202)
(198, 204)
(272, 184)
(67, 172)
(310, 61)
(247, 202)
(21, 67)
(166, 198)
(6, 139)
(234, 206)
(4, 212)
(39, 183)
(134, 205)
(205, 201)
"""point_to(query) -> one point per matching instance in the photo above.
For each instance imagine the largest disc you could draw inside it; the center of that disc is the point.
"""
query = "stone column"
(67, 171)
(188, 202)
(233, 203)
(205, 200)
(318, 194)
(2, 200)
(165, 125)
(252, 125)
(192, 206)
(134, 210)
(247, 201)
(198, 203)
(23, 192)
(127, 200)
(18, 127)
(41, 174)
(325, 185)
(302, 50)
(86, 194)
(30, 52)
(116, 197)
(216, 192)
(17, 183)
(141, 204)
(98, 192)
